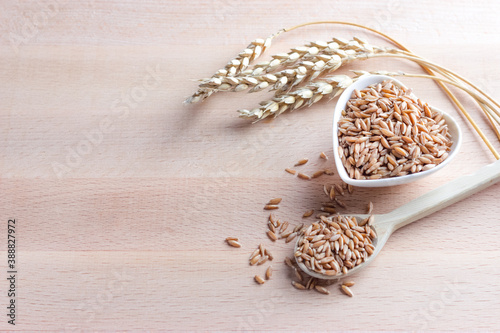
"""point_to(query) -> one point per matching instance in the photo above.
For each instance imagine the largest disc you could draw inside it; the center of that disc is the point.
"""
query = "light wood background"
(123, 196)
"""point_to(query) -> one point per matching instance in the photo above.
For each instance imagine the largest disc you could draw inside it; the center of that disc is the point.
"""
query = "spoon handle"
(443, 196)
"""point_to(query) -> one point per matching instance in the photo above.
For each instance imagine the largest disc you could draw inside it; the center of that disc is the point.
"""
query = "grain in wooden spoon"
(384, 225)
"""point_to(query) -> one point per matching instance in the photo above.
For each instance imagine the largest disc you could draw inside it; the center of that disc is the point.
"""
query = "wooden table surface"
(122, 196)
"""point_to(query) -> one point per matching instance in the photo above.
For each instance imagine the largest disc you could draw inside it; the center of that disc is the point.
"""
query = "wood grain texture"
(123, 196)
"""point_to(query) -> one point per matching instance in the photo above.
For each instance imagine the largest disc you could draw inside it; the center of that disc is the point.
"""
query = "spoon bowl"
(361, 83)
(378, 242)
(439, 198)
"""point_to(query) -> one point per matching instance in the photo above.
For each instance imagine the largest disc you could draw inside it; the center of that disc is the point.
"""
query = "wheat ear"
(324, 58)
(300, 97)
(234, 67)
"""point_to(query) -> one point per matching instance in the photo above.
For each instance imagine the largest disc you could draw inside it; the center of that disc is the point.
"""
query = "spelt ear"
(300, 63)
(299, 97)
(234, 67)
(309, 62)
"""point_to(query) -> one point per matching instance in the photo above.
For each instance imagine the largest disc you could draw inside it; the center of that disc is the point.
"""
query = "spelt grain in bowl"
(384, 131)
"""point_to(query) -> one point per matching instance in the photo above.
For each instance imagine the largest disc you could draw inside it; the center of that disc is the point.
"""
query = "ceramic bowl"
(362, 83)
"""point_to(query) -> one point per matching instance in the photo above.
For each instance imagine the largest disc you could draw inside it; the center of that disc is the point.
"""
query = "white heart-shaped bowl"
(361, 83)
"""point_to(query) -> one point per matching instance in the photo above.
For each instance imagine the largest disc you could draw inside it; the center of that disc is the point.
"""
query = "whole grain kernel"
(255, 259)
(284, 226)
(298, 275)
(258, 279)
(234, 243)
(369, 208)
(329, 210)
(272, 236)
(291, 171)
(298, 228)
(302, 161)
(291, 237)
(262, 260)
(298, 285)
(286, 234)
(322, 290)
(332, 193)
(269, 272)
(289, 262)
(274, 201)
(318, 174)
(254, 254)
(308, 213)
(311, 283)
(347, 290)
(268, 254)
(340, 202)
(325, 189)
(323, 156)
(339, 189)
(303, 176)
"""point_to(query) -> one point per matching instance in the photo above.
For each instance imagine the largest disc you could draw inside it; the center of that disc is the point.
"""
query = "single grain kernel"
(259, 280)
